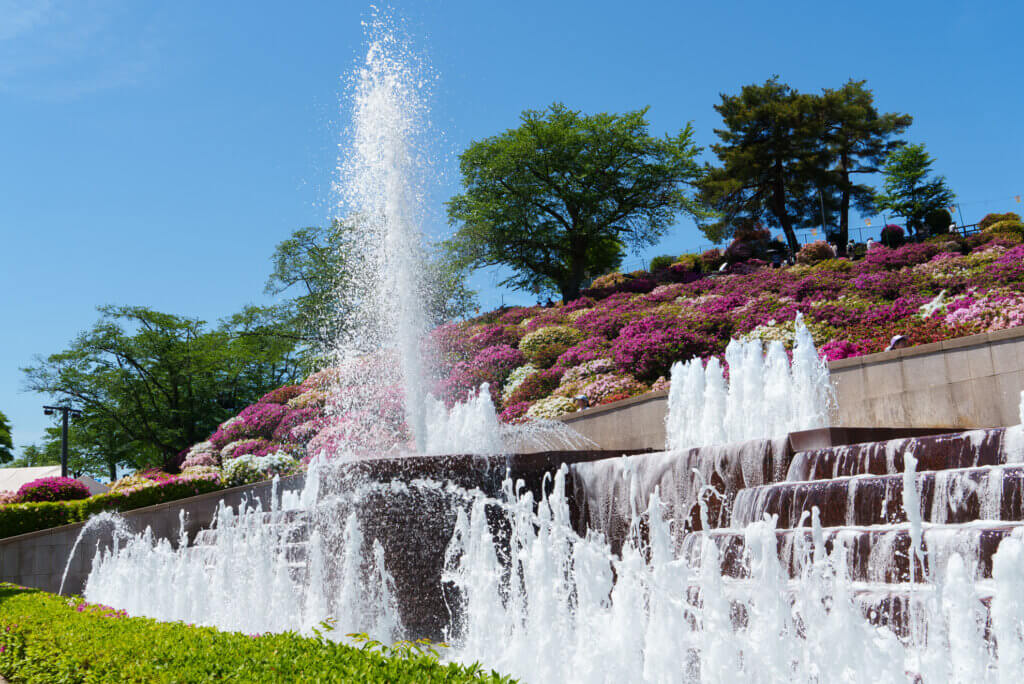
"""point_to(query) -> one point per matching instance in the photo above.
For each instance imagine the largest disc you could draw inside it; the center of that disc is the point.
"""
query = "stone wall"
(968, 382)
(37, 559)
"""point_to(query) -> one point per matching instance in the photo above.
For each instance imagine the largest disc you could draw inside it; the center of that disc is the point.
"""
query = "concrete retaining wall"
(37, 559)
(968, 382)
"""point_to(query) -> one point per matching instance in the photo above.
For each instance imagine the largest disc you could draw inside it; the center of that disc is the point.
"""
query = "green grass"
(53, 639)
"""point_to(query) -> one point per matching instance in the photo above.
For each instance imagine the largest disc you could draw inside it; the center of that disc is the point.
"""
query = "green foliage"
(770, 149)
(938, 221)
(857, 139)
(46, 638)
(906, 189)
(309, 269)
(545, 345)
(6, 443)
(151, 384)
(691, 262)
(660, 263)
(29, 517)
(1009, 228)
(989, 220)
(558, 199)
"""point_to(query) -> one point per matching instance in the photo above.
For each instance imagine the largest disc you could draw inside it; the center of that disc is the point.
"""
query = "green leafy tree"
(771, 151)
(33, 456)
(318, 292)
(907, 189)
(150, 384)
(857, 139)
(6, 443)
(559, 199)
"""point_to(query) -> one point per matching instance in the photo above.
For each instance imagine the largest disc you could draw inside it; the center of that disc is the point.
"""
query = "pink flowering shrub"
(648, 347)
(840, 349)
(621, 338)
(281, 395)
(8, 497)
(515, 413)
(293, 419)
(52, 489)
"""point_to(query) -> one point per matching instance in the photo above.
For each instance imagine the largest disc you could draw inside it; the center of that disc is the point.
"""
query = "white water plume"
(380, 190)
(765, 396)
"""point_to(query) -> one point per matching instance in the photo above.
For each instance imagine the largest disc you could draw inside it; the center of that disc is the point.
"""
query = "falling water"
(766, 395)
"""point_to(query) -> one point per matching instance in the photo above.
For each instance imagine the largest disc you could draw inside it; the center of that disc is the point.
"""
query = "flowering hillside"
(620, 339)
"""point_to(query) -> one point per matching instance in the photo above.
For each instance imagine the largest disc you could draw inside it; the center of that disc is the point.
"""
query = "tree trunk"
(779, 209)
(844, 208)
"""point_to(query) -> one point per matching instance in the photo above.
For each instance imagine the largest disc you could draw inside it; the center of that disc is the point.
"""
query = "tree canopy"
(309, 272)
(907, 191)
(857, 139)
(769, 152)
(791, 159)
(151, 384)
(6, 443)
(559, 199)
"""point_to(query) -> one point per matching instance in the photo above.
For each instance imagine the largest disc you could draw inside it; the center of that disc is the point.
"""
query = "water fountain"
(731, 554)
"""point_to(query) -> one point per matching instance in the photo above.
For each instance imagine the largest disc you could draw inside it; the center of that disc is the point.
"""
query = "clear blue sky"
(154, 153)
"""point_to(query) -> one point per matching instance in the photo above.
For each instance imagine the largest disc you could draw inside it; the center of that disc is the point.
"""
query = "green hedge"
(47, 638)
(29, 517)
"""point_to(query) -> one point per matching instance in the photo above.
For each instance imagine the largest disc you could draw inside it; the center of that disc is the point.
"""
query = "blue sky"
(154, 153)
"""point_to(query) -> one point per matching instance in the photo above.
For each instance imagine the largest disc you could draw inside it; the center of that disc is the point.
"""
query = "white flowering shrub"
(516, 378)
(551, 407)
(248, 468)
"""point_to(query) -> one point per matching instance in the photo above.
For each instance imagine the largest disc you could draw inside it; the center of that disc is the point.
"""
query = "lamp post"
(66, 413)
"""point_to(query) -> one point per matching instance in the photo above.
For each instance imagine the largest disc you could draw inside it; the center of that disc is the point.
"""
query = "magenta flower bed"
(636, 325)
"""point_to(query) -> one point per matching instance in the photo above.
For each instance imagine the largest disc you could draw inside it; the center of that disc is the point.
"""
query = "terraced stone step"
(969, 449)
(876, 554)
(946, 496)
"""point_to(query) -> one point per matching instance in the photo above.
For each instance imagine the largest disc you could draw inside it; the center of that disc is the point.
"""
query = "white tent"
(11, 479)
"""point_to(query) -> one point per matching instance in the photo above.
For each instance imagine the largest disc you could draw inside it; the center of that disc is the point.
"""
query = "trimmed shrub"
(535, 386)
(29, 517)
(814, 252)
(52, 489)
(662, 262)
(248, 469)
(48, 638)
(712, 259)
(543, 346)
(892, 236)
(282, 395)
(1007, 229)
(691, 262)
(938, 222)
(516, 413)
(608, 280)
(990, 220)
(551, 407)
(647, 348)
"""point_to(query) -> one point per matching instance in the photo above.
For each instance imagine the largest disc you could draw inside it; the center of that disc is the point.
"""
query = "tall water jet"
(380, 191)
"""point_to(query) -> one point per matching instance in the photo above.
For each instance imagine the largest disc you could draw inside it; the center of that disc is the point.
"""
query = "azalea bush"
(249, 468)
(52, 489)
